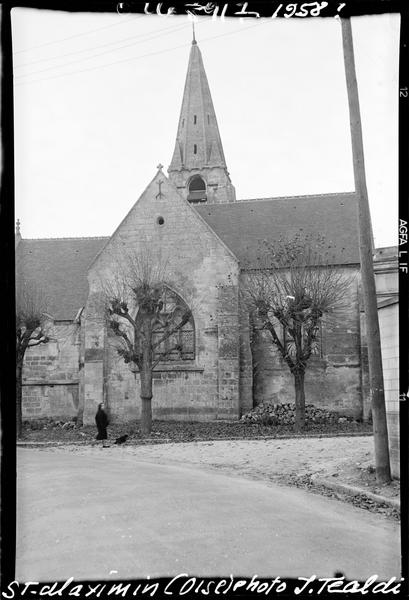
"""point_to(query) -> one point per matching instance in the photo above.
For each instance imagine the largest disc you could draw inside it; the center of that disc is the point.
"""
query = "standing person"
(101, 419)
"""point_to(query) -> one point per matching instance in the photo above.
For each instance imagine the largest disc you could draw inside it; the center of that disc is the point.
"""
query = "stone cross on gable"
(160, 188)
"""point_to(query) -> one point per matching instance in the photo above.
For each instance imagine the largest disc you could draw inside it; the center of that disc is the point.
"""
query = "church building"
(210, 239)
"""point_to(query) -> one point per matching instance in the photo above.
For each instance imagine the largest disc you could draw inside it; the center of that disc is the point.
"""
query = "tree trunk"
(146, 398)
(19, 399)
(299, 400)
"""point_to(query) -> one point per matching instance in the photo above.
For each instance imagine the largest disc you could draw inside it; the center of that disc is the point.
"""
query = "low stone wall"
(186, 394)
(58, 400)
(50, 375)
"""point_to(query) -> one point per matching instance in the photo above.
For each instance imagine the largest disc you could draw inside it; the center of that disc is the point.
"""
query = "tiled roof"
(59, 266)
(244, 225)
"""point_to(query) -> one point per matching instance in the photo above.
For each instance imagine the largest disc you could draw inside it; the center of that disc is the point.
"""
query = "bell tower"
(198, 167)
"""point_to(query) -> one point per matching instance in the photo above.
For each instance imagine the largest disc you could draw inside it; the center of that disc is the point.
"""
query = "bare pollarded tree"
(31, 330)
(147, 318)
(293, 288)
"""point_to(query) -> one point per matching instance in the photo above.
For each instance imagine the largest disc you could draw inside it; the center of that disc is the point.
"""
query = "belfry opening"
(197, 189)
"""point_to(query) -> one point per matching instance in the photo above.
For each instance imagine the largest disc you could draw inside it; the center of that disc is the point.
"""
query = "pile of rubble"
(48, 423)
(284, 414)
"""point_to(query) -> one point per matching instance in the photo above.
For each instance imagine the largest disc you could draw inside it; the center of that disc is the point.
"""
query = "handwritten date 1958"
(239, 9)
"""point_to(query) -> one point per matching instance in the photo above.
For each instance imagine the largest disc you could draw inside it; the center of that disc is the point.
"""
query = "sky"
(97, 100)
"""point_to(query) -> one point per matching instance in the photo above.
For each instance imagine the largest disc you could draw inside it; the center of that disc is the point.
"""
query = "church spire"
(198, 150)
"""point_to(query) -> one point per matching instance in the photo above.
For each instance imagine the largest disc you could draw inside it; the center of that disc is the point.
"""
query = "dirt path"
(346, 459)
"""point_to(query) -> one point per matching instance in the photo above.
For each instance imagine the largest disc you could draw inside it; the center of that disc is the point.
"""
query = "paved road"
(85, 516)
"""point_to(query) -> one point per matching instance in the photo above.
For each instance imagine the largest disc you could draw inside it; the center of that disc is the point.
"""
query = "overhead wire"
(19, 83)
(139, 41)
(58, 56)
(102, 66)
(75, 35)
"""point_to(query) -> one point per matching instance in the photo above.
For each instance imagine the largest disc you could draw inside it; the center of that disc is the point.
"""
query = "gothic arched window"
(173, 329)
(179, 345)
(197, 189)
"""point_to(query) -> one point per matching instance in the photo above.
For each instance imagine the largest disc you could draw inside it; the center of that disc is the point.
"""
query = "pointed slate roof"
(198, 141)
(244, 225)
(60, 266)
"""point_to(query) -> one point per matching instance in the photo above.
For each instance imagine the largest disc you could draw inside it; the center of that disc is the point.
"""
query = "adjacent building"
(386, 275)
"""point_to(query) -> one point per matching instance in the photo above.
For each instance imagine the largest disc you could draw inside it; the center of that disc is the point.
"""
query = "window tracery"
(180, 345)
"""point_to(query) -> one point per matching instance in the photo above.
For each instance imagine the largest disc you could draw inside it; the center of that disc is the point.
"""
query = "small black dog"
(121, 440)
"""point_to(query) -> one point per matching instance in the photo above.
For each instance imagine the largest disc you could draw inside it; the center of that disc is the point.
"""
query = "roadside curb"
(351, 490)
(139, 442)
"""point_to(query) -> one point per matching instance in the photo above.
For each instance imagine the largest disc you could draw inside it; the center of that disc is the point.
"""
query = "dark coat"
(101, 419)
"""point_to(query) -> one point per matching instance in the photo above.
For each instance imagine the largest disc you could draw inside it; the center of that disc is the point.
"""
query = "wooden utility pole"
(383, 473)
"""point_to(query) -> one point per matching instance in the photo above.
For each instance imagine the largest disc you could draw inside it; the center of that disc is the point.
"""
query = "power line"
(89, 49)
(138, 57)
(103, 66)
(156, 35)
(77, 35)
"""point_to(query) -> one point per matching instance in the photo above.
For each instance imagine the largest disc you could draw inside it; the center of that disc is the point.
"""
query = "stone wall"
(333, 376)
(182, 390)
(205, 388)
(246, 358)
(92, 378)
(50, 375)
(205, 274)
